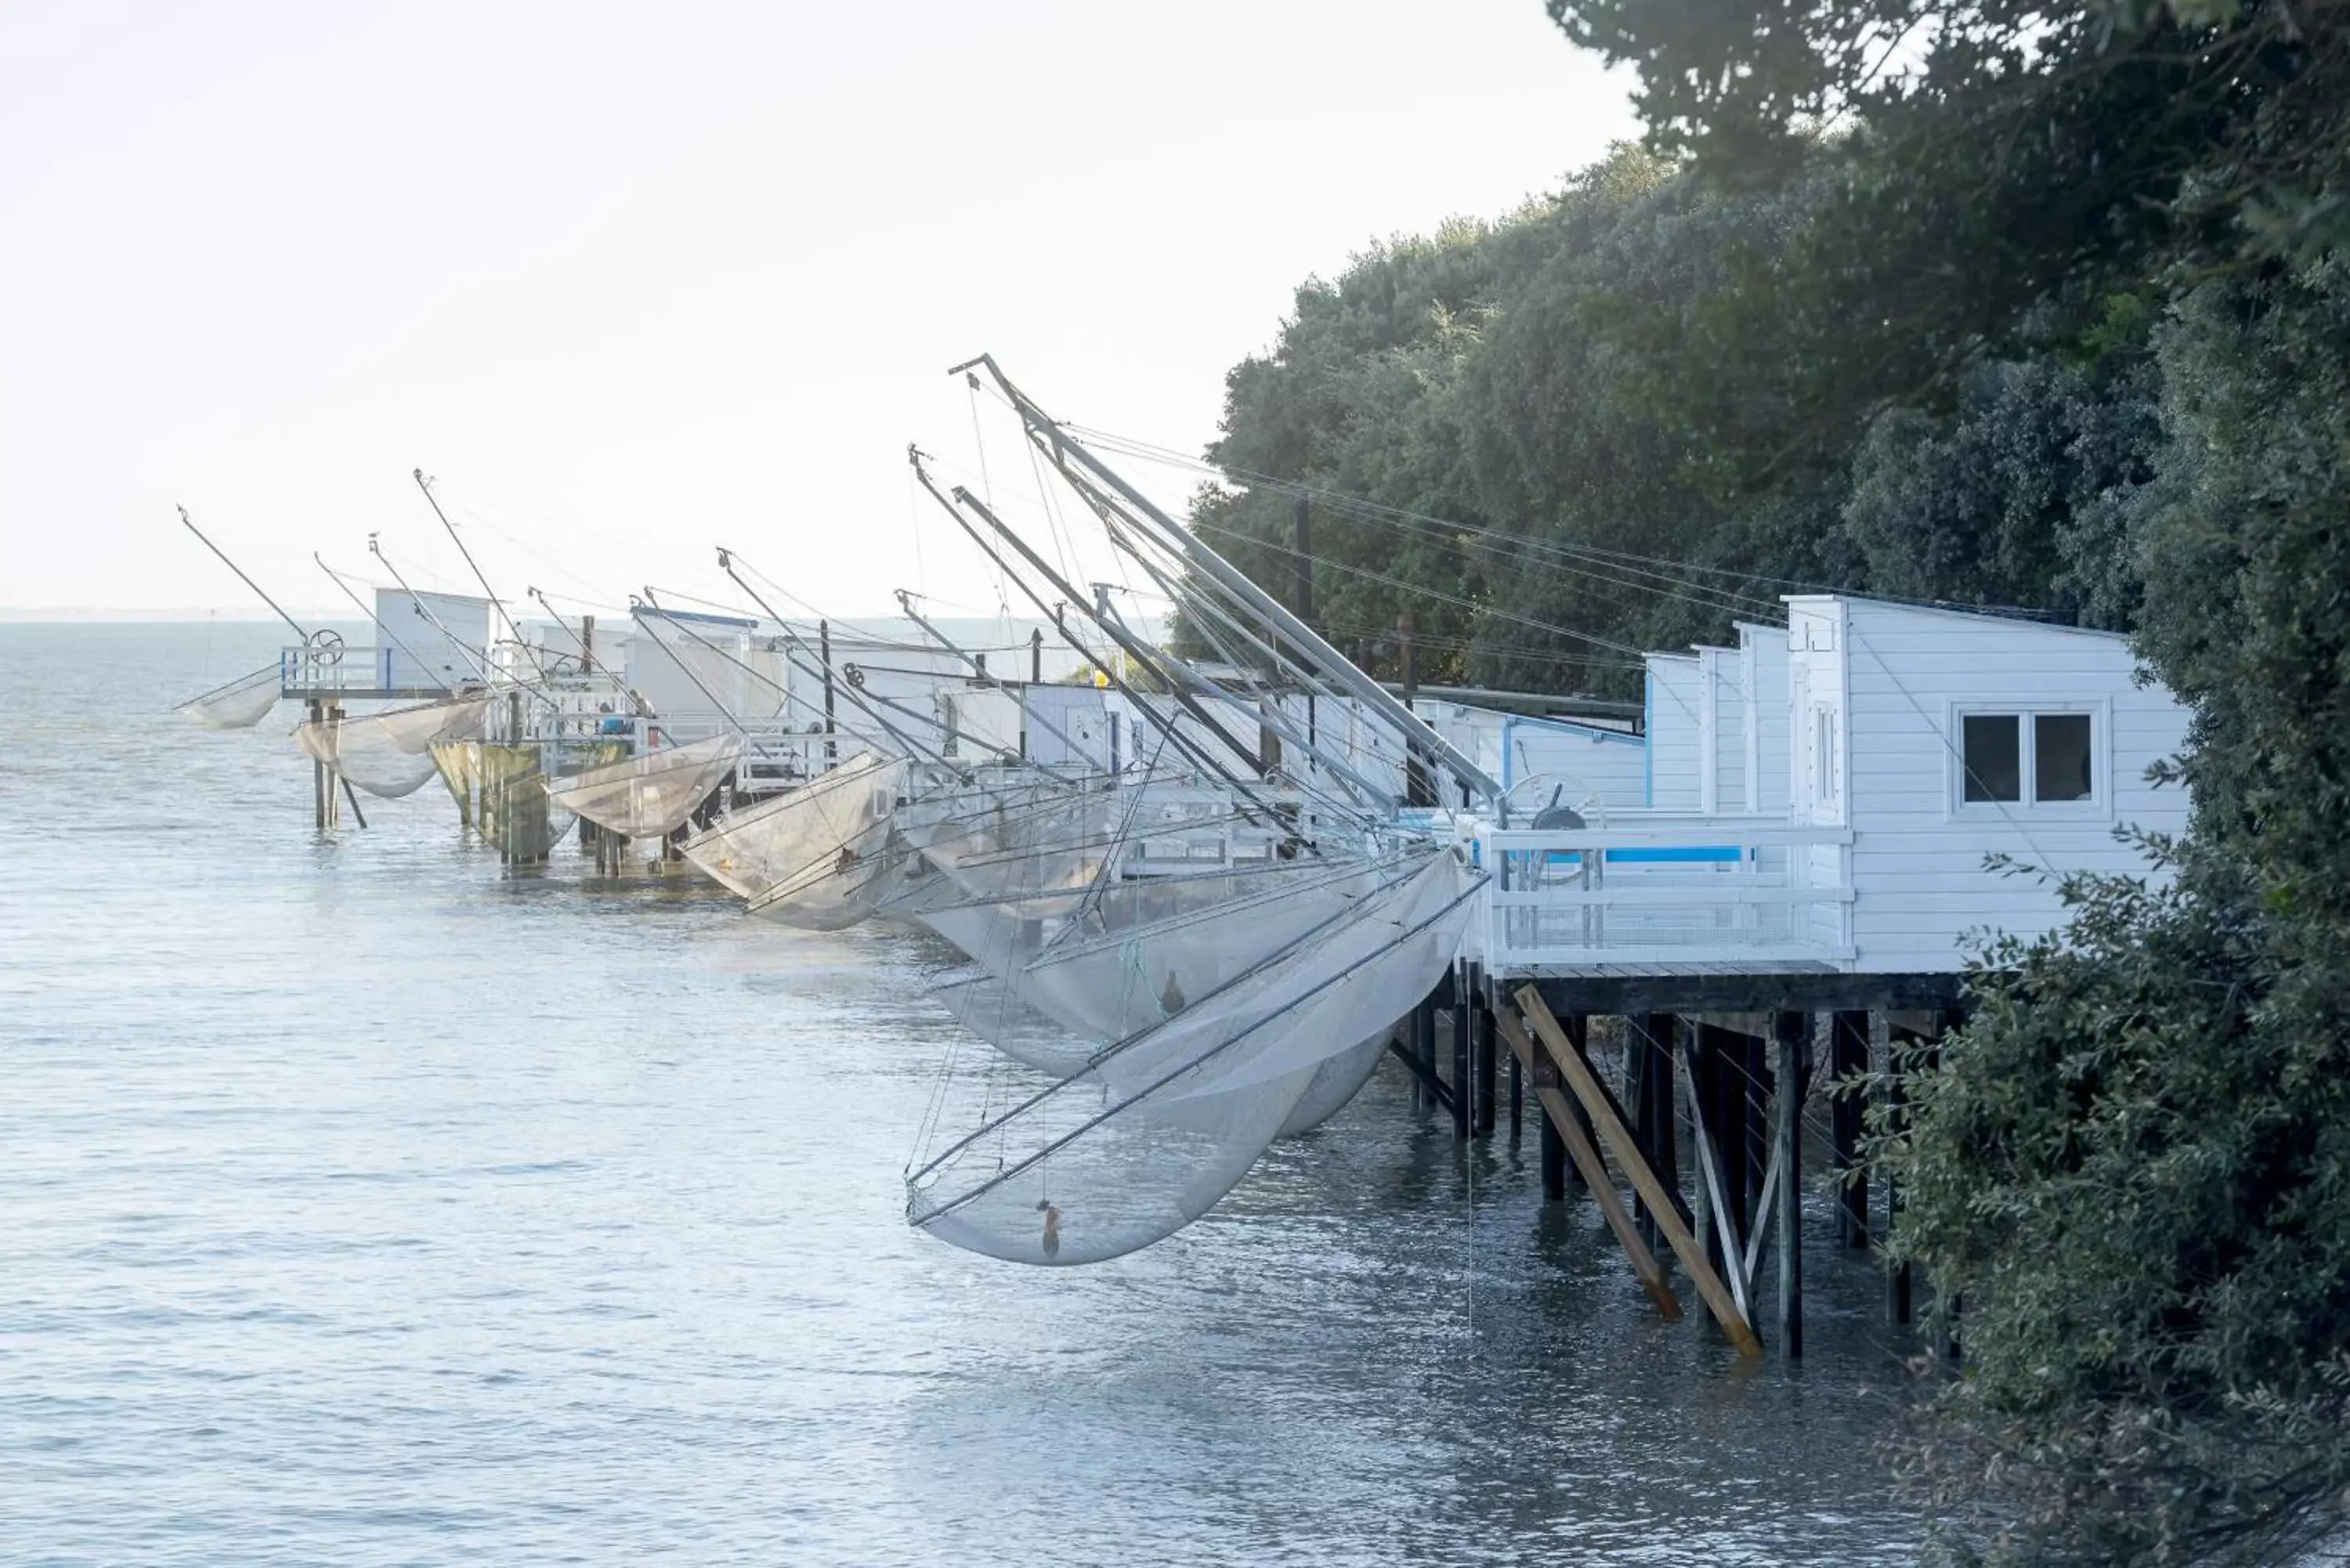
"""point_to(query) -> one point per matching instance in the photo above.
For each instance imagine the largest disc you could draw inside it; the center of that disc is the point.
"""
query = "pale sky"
(631, 281)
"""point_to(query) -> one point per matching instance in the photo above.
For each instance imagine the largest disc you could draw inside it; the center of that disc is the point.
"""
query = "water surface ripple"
(361, 1205)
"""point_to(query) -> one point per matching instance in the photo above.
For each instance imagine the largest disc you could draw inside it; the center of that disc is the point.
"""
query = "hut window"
(2028, 759)
(2061, 757)
(1994, 757)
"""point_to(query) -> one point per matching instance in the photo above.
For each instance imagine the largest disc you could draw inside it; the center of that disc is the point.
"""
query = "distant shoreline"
(180, 614)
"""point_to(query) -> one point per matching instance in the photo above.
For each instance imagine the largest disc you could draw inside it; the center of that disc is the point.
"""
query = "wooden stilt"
(1652, 1052)
(1729, 1122)
(1423, 1038)
(1898, 1305)
(1752, 1083)
(1560, 1116)
(1722, 1248)
(1517, 1091)
(1578, 1032)
(317, 777)
(1463, 1081)
(1482, 1052)
(1554, 1144)
(1847, 1061)
(1618, 1138)
(1790, 1035)
(1699, 1094)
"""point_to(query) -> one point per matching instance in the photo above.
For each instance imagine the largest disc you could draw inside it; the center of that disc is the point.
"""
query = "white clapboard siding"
(1474, 732)
(429, 641)
(1675, 776)
(1893, 679)
(1721, 732)
(1763, 653)
(1589, 761)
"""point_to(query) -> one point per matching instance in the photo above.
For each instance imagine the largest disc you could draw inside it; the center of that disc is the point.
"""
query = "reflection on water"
(366, 1206)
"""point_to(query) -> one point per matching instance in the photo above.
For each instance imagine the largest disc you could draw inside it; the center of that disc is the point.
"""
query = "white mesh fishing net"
(650, 797)
(239, 705)
(390, 754)
(1158, 1127)
(785, 838)
(1138, 952)
(819, 858)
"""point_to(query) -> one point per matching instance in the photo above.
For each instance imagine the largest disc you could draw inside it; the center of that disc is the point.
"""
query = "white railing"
(326, 667)
(1720, 890)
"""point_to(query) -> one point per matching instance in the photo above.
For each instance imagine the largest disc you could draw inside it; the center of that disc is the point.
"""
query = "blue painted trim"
(1706, 853)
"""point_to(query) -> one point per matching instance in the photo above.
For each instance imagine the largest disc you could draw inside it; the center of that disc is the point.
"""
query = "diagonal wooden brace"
(1612, 1131)
(1586, 1160)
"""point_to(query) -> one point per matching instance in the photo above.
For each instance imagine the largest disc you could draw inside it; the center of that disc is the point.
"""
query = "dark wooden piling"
(317, 777)
(1464, 1085)
(1722, 1059)
(1900, 1306)
(1649, 1074)
(1517, 1084)
(1554, 1144)
(1564, 1047)
(1423, 1046)
(1847, 1062)
(1752, 1083)
(1789, 1037)
(1482, 1052)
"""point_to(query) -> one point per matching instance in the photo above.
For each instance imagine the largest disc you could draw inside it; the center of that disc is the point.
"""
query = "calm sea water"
(361, 1204)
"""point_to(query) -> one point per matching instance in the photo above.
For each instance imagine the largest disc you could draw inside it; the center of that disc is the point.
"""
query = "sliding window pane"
(1993, 747)
(2061, 766)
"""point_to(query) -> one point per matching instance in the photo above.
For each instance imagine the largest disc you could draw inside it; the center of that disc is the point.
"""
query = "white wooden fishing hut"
(1832, 813)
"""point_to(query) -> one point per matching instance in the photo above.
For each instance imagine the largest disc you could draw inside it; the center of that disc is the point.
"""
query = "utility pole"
(824, 647)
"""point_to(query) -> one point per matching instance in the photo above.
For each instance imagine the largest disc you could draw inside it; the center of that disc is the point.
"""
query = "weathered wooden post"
(1847, 1061)
(1651, 1038)
(1790, 1033)
(1481, 1050)
(317, 776)
(1423, 1040)
(1518, 1098)
(1753, 1087)
(334, 712)
(1705, 1114)
(1554, 1144)
(1463, 1089)
(1898, 1305)
(1577, 1026)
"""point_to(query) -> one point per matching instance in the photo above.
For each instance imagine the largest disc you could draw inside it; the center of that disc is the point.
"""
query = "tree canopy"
(2042, 305)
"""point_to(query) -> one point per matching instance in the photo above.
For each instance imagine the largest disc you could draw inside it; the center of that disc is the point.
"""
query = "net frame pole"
(1043, 429)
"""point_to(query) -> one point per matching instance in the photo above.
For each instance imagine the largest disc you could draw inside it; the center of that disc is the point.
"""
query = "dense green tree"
(2023, 496)
(2133, 1165)
(2135, 1161)
(1993, 304)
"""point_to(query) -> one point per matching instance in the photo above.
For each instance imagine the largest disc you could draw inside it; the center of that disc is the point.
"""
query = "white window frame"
(2099, 806)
